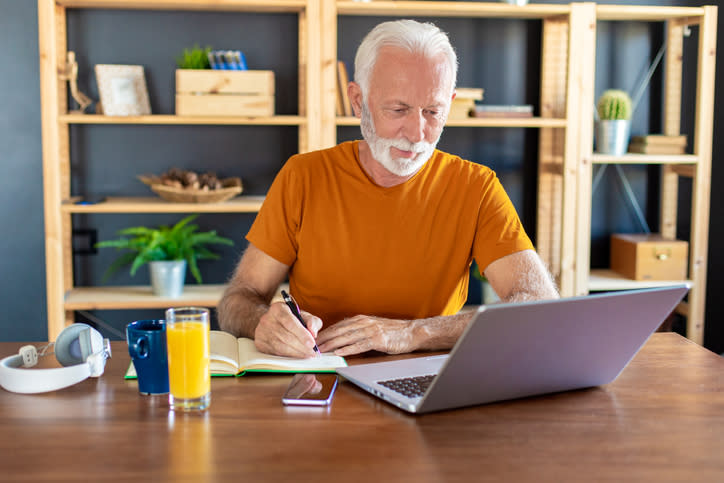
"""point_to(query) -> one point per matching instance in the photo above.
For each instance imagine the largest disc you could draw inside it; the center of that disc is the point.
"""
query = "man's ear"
(355, 98)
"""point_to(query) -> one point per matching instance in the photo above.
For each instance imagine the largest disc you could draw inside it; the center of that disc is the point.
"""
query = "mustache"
(406, 145)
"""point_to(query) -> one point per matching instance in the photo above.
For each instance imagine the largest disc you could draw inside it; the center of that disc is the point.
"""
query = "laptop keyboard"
(409, 386)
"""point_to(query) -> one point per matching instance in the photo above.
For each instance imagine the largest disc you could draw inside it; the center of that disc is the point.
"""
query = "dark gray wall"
(22, 264)
(499, 55)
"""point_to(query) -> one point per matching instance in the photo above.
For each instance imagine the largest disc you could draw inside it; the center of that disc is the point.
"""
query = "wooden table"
(662, 419)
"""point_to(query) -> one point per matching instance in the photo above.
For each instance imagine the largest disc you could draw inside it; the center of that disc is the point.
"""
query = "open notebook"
(235, 357)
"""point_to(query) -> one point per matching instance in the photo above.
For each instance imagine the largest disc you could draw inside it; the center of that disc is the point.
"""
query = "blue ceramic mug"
(147, 348)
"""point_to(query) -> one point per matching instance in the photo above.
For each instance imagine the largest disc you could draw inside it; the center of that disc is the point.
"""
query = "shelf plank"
(171, 119)
(634, 158)
(483, 122)
(215, 5)
(451, 9)
(240, 204)
(140, 297)
(646, 13)
(603, 279)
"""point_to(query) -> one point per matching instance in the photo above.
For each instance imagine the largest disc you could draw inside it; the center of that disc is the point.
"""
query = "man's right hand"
(280, 333)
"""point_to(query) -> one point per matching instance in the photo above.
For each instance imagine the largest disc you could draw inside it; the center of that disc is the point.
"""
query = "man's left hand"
(363, 333)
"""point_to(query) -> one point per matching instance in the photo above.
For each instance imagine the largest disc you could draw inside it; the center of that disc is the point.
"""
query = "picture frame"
(122, 90)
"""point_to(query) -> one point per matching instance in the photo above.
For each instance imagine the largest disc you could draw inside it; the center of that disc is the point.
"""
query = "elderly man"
(377, 236)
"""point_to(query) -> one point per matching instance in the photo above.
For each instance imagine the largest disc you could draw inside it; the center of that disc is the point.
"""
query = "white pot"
(612, 136)
(167, 278)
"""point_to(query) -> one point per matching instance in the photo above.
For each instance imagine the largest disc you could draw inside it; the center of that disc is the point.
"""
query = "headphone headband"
(79, 347)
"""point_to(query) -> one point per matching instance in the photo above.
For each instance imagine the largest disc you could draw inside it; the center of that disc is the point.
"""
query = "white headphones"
(81, 349)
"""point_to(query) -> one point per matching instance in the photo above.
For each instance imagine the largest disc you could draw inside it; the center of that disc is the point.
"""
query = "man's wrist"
(419, 334)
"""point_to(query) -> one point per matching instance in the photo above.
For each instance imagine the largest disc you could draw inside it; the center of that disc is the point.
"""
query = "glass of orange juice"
(187, 340)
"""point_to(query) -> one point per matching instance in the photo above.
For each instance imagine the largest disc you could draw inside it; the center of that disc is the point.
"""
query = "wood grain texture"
(660, 420)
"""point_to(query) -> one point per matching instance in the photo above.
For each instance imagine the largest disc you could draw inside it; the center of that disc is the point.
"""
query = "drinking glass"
(187, 337)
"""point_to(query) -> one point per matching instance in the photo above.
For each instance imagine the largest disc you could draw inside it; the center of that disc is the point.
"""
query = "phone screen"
(310, 390)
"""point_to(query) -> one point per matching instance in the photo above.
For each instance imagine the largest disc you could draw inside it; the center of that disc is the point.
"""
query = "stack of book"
(464, 102)
(489, 110)
(657, 144)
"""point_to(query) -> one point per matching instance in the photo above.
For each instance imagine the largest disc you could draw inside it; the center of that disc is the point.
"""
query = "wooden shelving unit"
(565, 124)
(567, 38)
(578, 278)
(62, 296)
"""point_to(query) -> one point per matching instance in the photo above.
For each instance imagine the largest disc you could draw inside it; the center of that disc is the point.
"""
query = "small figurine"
(70, 73)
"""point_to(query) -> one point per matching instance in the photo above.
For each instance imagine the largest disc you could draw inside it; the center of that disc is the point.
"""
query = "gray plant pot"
(167, 278)
(611, 137)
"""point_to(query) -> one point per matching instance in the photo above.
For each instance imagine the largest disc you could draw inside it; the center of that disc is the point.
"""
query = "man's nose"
(415, 126)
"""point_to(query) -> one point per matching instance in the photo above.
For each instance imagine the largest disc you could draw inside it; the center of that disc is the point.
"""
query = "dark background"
(502, 56)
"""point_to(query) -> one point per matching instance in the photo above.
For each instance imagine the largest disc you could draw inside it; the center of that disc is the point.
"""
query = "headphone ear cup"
(68, 349)
(96, 343)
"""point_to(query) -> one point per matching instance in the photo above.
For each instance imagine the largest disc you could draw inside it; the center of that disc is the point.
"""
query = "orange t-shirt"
(402, 252)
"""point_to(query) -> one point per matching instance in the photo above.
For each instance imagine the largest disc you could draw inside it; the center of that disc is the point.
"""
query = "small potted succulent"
(167, 250)
(613, 123)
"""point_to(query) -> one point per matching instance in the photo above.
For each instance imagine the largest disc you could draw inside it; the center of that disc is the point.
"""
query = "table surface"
(663, 418)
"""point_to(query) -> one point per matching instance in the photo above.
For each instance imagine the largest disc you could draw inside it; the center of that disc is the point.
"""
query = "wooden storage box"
(224, 93)
(649, 257)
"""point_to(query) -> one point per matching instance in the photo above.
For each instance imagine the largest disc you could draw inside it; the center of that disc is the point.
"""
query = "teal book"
(231, 356)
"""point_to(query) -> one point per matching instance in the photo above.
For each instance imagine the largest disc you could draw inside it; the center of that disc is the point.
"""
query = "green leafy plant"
(194, 58)
(614, 104)
(179, 242)
(477, 274)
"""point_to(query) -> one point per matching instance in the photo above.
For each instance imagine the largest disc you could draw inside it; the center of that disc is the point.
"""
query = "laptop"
(510, 351)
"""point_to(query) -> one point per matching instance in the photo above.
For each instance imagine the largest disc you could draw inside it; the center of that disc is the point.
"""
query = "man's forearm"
(442, 332)
(239, 311)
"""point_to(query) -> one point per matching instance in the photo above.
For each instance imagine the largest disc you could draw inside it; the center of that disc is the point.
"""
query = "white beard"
(380, 148)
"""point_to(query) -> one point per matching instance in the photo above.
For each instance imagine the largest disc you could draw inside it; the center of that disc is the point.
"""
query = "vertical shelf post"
(56, 161)
(701, 184)
(328, 134)
(584, 18)
(554, 59)
(575, 205)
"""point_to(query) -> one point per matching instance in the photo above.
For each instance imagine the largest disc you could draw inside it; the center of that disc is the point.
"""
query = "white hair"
(425, 39)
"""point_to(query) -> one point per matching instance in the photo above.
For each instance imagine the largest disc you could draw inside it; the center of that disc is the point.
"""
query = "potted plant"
(167, 250)
(613, 126)
(194, 58)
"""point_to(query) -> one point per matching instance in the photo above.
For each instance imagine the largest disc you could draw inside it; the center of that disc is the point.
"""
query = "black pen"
(292, 304)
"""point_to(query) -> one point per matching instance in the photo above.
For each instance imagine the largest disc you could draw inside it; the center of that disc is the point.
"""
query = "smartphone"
(310, 390)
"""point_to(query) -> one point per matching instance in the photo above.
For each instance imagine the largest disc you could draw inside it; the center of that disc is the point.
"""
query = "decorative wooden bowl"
(230, 187)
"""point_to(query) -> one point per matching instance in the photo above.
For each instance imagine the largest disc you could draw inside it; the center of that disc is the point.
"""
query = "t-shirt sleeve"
(500, 232)
(276, 227)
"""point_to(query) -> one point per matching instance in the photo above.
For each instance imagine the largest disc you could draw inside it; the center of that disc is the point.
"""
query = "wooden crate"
(224, 93)
(649, 257)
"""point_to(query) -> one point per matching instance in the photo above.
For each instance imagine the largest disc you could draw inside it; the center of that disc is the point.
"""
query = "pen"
(292, 304)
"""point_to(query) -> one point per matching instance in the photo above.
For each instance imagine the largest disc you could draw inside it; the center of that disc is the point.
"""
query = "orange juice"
(188, 359)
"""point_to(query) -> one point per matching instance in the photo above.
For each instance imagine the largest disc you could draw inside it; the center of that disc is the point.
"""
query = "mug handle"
(139, 348)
